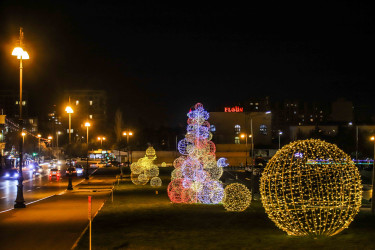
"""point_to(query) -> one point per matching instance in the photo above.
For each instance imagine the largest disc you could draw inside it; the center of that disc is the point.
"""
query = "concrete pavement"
(56, 222)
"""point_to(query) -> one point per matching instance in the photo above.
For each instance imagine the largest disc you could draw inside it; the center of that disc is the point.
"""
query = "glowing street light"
(101, 139)
(23, 134)
(87, 125)
(39, 136)
(245, 136)
(373, 181)
(70, 111)
(21, 55)
(280, 133)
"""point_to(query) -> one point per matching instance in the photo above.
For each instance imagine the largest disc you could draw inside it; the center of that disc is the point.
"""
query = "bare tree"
(118, 125)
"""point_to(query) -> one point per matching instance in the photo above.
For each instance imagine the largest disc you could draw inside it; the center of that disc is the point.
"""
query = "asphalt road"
(35, 187)
(58, 221)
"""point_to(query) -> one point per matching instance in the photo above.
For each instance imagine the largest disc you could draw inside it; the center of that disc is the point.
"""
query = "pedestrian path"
(56, 222)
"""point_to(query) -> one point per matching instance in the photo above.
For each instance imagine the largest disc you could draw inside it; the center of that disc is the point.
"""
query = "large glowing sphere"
(179, 191)
(237, 197)
(155, 182)
(212, 192)
(311, 187)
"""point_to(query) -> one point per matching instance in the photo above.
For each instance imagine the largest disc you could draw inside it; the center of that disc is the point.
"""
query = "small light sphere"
(311, 187)
(237, 197)
(222, 162)
(155, 182)
(163, 164)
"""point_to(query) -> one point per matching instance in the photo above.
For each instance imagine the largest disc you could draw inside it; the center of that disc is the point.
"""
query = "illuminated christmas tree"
(195, 178)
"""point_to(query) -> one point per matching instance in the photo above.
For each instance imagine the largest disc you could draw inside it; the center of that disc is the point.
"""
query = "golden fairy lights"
(237, 197)
(311, 187)
(144, 169)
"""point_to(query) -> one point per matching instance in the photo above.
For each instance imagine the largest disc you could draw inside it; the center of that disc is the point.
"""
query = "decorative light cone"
(311, 187)
(237, 197)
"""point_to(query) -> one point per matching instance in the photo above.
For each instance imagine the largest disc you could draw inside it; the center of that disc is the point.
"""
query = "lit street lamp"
(87, 125)
(127, 134)
(245, 136)
(21, 55)
(101, 139)
(23, 134)
(69, 110)
(39, 135)
(373, 181)
(280, 133)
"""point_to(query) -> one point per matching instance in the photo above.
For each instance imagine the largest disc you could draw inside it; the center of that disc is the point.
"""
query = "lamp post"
(21, 55)
(280, 133)
(373, 181)
(23, 134)
(70, 111)
(245, 136)
(87, 125)
(39, 135)
(101, 139)
(127, 134)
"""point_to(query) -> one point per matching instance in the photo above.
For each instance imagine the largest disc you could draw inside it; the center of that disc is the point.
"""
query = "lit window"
(16, 102)
(212, 128)
(263, 129)
(90, 116)
(237, 129)
(236, 140)
(90, 103)
(23, 103)
(77, 102)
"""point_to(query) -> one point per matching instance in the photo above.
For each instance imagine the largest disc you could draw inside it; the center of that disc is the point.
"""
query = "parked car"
(71, 171)
(11, 173)
(54, 173)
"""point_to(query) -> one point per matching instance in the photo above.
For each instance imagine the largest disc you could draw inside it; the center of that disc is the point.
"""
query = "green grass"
(140, 219)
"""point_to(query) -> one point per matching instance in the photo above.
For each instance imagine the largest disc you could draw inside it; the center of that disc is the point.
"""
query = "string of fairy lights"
(311, 187)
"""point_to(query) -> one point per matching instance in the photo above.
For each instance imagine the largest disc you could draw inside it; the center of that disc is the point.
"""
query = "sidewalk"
(56, 222)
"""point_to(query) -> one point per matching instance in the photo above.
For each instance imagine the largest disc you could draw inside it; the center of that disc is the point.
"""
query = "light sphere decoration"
(155, 182)
(237, 197)
(311, 187)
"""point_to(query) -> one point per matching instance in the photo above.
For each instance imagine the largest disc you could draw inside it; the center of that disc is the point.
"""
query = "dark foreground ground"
(141, 219)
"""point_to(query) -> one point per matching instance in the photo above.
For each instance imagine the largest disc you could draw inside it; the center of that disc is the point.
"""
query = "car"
(54, 173)
(79, 169)
(37, 170)
(71, 171)
(93, 165)
(11, 174)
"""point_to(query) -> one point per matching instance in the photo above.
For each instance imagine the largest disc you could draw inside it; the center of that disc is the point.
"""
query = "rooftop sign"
(235, 109)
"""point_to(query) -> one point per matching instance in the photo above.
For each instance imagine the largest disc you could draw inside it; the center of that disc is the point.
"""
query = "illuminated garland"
(237, 197)
(196, 175)
(311, 187)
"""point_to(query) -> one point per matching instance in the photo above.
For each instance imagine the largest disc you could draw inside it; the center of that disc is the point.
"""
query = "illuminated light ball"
(136, 169)
(143, 179)
(311, 187)
(150, 152)
(198, 106)
(194, 174)
(210, 164)
(214, 172)
(237, 197)
(182, 146)
(212, 192)
(222, 162)
(209, 136)
(163, 164)
(176, 174)
(178, 191)
(135, 179)
(179, 161)
(154, 171)
(190, 137)
(155, 182)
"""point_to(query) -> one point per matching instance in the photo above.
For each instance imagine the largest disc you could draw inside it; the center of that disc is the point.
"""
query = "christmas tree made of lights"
(195, 178)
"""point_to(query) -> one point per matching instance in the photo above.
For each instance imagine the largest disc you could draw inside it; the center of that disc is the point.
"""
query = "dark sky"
(156, 60)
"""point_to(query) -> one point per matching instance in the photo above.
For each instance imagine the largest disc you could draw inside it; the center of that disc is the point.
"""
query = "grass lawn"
(140, 219)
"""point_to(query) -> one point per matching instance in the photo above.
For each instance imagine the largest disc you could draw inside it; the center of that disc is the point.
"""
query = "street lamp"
(87, 125)
(127, 134)
(70, 111)
(39, 136)
(245, 136)
(280, 133)
(21, 55)
(373, 181)
(101, 139)
(23, 134)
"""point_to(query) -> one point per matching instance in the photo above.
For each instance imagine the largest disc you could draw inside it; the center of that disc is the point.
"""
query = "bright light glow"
(50, 137)
(268, 112)
(372, 138)
(17, 51)
(23, 133)
(24, 55)
(39, 135)
(242, 135)
(69, 110)
(130, 133)
(317, 193)
(87, 124)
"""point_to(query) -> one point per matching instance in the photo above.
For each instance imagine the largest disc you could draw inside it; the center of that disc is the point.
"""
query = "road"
(34, 187)
(58, 221)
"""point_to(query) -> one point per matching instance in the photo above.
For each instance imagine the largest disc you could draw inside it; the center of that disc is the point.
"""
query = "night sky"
(156, 60)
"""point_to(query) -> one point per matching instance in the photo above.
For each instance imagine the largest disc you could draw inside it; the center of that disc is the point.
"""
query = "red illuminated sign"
(233, 109)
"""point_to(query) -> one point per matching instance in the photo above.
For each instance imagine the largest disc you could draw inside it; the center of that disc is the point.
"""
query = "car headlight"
(6, 175)
(16, 175)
